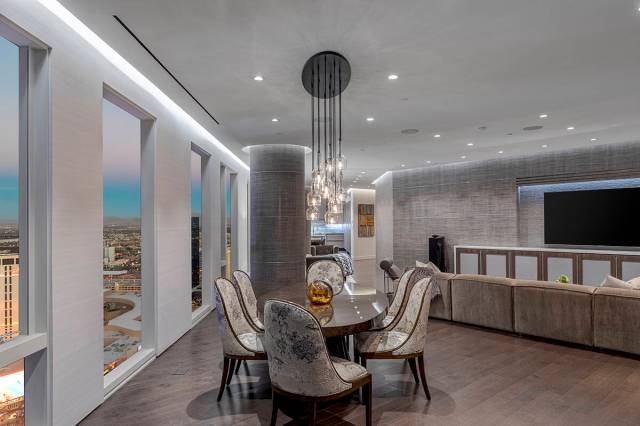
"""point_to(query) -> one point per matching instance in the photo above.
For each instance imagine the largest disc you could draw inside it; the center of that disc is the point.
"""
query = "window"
(227, 206)
(12, 375)
(122, 236)
(9, 190)
(196, 230)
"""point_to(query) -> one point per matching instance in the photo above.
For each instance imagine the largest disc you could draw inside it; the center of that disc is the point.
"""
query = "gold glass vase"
(319, 292)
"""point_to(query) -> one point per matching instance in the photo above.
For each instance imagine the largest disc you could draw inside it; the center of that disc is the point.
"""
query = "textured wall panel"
(278, 223)
(477, 203)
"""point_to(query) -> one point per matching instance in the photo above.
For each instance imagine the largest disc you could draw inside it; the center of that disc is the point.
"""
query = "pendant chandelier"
(325, 76)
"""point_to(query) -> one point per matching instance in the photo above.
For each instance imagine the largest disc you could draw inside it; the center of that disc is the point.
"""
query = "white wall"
(361, 248)
(384, 220)
(78, 73)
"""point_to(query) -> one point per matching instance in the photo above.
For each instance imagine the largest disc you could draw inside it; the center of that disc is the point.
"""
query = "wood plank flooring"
(476, 377)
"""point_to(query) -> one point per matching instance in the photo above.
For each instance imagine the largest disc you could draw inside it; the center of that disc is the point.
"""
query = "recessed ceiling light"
(428, 161)
(258, 78)
(545, 145)
(594, 139)
(463, 156)
(571, 128)
(363, 173)
(500, 152)
(543, 115)
(393, 76)
(275, 120)
(470, 144)
(437, 136)
(370, 118)
(401, 165)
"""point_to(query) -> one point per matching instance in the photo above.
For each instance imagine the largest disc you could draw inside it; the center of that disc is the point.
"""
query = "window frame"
(34, 226)
(148, 208)
(207, 219)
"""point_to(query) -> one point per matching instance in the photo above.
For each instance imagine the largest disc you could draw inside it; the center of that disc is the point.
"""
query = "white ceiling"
(462, 64)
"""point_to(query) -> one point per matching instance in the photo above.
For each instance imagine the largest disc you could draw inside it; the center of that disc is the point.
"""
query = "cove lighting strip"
(380, 177)
(120, 63)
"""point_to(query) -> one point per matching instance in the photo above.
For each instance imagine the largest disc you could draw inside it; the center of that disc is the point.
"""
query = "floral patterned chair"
(300, 366)
(240, 341)
(405, 339)
(248, 298)
(329, 271)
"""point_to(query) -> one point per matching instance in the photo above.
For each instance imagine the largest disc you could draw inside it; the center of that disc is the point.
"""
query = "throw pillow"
(613, 282)
(635, 282)
(427, 265)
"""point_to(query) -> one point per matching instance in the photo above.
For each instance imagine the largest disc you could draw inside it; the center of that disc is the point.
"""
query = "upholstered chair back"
(248, 296)
(231, 319)
(298, 359)
(413, 320)
(329, 271)
(398, 296)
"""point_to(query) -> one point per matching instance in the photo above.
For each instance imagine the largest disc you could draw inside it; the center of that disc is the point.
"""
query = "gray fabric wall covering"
(477, 202)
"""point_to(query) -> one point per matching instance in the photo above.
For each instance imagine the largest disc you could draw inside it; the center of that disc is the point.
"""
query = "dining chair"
(329, 271)
(300, 367)
(396, 305)
(240, 341)
(248, 298)
(404, 340)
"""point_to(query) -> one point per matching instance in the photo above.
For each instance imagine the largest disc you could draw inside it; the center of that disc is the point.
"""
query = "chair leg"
(274, 408)
(363, 361)
(225, 371)
(312, 413)
(423, 377)
(368, 402)
(414, 370)
(356, 356)
(238, 366)
(232, 367)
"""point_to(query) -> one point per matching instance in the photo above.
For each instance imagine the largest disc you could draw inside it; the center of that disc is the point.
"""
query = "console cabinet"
(587, 267)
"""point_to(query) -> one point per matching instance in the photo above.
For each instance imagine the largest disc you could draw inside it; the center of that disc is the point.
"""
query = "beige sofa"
(591, 316)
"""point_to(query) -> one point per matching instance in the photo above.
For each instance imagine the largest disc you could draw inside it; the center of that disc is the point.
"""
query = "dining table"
(357, 308)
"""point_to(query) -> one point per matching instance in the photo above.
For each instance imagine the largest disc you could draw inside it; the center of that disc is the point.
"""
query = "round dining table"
(355, 309)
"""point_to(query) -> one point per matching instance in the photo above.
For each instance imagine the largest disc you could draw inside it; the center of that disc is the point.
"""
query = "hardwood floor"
(476, 377)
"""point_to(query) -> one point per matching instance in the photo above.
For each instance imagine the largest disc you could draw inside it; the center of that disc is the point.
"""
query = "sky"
(8, 132)
(120, 162)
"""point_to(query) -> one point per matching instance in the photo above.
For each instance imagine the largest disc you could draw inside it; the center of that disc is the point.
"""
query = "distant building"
(109, 254)
(9, 287)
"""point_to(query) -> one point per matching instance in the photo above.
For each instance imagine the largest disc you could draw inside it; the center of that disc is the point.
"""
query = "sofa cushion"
(616, 319)
(441, 306)
(482, 300)
(553, 310)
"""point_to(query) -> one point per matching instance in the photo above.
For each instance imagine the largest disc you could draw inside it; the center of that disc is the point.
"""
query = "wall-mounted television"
(604, 217)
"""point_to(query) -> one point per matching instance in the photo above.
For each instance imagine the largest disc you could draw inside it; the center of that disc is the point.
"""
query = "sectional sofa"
(592, 316)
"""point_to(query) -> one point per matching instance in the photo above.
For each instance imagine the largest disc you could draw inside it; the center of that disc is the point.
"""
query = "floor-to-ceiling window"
(228, 210)
(11, 376)
(196, 231)
(122, 236)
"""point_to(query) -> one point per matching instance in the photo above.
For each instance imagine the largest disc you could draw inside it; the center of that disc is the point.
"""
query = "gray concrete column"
(278, 222)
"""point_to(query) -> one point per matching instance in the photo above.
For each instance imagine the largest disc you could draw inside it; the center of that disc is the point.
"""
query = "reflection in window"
(12, 394)
(9, 190)
(196, 231)
(122, 237)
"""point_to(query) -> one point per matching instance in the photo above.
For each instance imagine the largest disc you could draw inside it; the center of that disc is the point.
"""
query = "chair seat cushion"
(251, 341)
(380, 341)
(347, 370)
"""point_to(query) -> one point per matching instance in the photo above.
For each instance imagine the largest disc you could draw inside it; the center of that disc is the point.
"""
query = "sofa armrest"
(441, 306)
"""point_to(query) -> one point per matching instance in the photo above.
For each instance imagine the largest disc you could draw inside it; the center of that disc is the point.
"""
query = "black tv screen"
(605, 217)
